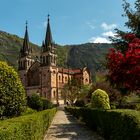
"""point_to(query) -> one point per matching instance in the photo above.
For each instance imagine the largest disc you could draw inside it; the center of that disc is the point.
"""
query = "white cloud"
(91, 25)
(106, 26)
(109, 33)
(99, 40)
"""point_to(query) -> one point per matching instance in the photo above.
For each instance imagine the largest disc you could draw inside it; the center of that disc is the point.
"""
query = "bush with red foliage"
(124, 69)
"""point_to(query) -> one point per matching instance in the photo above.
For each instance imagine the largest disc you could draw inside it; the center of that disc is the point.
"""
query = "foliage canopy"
(12, 93)
(124, 69)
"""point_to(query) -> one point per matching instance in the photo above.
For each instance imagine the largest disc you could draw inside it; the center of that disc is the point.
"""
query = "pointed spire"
(26, 50)
(48, 38)
(43, 46)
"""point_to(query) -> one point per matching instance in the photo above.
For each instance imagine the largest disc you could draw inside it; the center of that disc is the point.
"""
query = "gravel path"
(66, 127)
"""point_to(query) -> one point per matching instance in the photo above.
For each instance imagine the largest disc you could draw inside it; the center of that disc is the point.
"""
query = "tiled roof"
(70, 71)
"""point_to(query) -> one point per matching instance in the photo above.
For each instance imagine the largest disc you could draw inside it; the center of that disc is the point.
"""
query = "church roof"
(70, 71)
(73, 71)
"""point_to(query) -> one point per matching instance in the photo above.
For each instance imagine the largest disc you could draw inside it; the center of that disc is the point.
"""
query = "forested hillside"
(90, 55)
(10, 46)
(74, 56)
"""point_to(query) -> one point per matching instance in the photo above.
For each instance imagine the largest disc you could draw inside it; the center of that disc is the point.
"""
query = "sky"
(72, 21)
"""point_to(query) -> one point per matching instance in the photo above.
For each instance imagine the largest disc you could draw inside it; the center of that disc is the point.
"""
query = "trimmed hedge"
(29, 111)
(28, 127)
(120, 124)
(100, 99)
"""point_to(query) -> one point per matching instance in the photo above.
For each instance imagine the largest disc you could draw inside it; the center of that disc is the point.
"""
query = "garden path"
(66, 127)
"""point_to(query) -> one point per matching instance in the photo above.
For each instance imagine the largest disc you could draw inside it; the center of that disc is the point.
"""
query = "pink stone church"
(43, 76)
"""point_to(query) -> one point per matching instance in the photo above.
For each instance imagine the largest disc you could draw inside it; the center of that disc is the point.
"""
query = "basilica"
(43, 76)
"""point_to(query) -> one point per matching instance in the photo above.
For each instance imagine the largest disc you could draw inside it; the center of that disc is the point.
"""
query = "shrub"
(137, 107)
(114, 94)
(113, 106)
(47, 104)
(35, 102)
(79, 103)
(12, 93)
(38, 103)
(28, 127)
(114, 124)
(100, 99)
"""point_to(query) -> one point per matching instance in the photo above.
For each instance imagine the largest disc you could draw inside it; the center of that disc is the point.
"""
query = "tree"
(84, 92)
(71, 91)
(123, 61)
(124, 69)
(12, 93)
(133, 23)
(83, 97)
(133, 16)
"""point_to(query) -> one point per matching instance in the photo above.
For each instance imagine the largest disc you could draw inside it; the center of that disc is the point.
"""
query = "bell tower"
(48, 54)
(25, 60)
(48, 69)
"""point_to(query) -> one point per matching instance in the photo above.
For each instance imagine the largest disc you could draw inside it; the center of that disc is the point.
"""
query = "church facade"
(43, 76)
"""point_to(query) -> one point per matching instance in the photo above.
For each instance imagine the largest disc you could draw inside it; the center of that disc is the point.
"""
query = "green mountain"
(10, 46)
(89, 55)
(74, 56)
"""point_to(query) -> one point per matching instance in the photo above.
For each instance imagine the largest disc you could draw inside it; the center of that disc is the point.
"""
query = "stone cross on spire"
(48, 17)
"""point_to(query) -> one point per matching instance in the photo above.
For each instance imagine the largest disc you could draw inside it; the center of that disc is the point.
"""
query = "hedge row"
(112, 124)
(28, 127)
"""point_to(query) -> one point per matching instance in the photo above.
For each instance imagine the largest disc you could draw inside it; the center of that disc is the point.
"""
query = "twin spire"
(48, 38)
(26, 48)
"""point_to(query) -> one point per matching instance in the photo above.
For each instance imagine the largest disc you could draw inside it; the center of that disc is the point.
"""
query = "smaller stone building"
(43, 76)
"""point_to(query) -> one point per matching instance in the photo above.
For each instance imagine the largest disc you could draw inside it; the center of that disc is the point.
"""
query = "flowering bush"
(124, 69)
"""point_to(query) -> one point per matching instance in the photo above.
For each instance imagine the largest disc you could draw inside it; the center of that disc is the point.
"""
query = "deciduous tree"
(124, 69)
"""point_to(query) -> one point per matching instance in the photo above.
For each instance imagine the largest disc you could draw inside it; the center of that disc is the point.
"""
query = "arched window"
(86, 80)
(59, 78)
(66, 79)
(28, 62)
(24, 63)
(43, 59)
(45, 94)
(54, 94)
